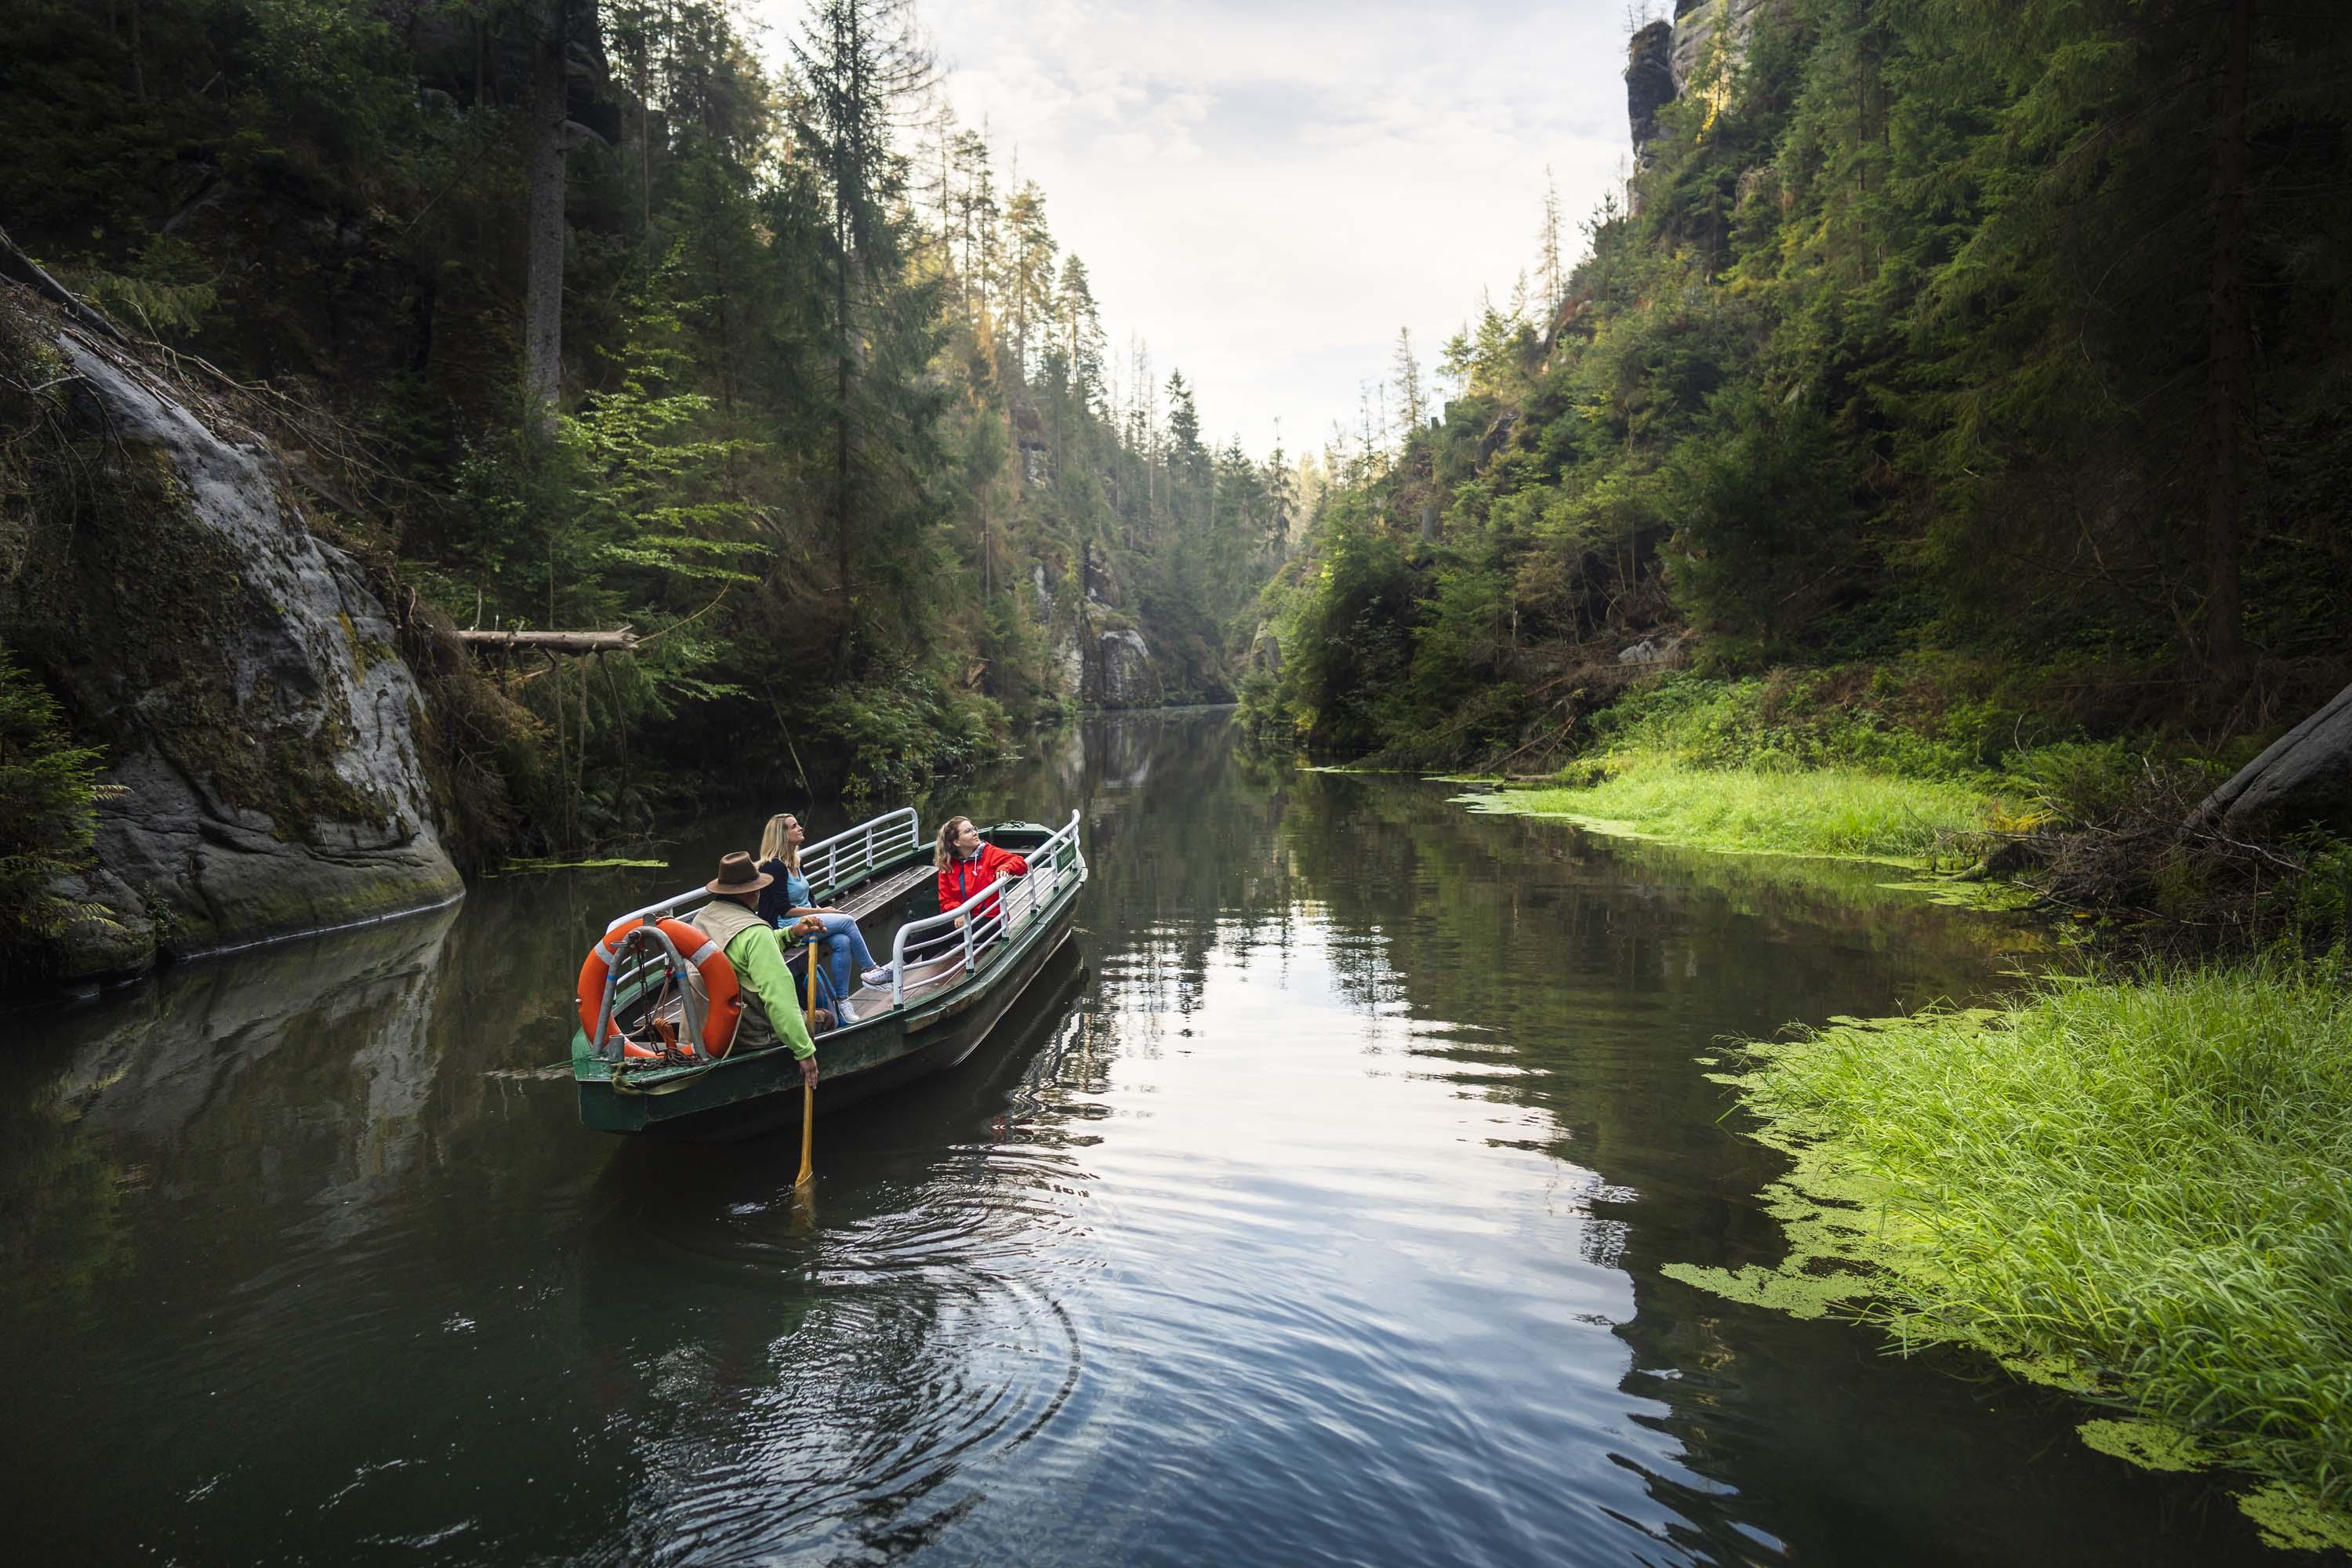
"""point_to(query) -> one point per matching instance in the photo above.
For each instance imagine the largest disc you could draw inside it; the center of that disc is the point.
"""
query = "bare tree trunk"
(620, 733)
(2230, 363)
(543, 285)
(563, 756)
(645, 153)
(843, 563)
(138, 63)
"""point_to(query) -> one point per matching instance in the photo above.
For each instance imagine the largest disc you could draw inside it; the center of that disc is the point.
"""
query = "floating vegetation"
(2294, 1521)
(1750, 839)
(525, 868)
(2150, 1445)
(2136, 1189)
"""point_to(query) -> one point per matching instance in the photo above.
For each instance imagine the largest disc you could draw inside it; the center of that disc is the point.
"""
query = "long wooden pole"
(808, 1090)
(807, 1178)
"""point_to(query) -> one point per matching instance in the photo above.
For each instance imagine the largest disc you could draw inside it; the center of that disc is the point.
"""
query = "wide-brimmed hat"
(737, 875)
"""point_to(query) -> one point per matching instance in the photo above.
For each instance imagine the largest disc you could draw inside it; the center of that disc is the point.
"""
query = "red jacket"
(963, 878)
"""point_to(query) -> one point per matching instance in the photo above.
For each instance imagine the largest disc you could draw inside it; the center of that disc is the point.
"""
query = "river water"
(1311, 1211)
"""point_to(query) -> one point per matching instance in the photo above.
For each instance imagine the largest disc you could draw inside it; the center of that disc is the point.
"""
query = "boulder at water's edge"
(265, 776)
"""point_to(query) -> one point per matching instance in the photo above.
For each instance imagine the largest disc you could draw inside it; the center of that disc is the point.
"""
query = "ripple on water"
(888, 1351)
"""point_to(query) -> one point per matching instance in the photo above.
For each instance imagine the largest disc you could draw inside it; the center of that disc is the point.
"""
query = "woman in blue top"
(788, 898)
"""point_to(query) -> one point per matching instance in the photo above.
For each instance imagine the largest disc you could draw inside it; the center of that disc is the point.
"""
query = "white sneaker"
(878, 977)
(843, 1014)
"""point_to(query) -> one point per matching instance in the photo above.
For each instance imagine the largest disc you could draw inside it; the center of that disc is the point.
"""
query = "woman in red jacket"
(967, 865)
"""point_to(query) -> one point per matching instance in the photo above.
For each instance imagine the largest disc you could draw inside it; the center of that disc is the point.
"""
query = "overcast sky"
(1265, 192)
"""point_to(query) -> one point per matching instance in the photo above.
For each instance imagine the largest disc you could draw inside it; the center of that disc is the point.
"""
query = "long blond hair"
(775, 843)
(945, 857)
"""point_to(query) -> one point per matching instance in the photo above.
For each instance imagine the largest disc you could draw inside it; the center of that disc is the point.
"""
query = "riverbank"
(2132, 1188)
(1840, 813)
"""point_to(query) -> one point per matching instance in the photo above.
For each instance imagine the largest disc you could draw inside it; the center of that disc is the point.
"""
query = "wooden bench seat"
(884, 892)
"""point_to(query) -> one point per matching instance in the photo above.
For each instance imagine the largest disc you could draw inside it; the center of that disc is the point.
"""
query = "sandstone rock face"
(1124, 676)
(1266, 650)
(1696, 29)
(242, 680)
(2304, 777)
(1649, 80)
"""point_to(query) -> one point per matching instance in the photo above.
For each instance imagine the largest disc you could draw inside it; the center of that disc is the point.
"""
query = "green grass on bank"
(2140, 1189)
(1820, 811)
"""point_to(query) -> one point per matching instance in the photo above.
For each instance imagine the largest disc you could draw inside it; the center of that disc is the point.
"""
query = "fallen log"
(2305, 775)
(14, 263)
(554, 642)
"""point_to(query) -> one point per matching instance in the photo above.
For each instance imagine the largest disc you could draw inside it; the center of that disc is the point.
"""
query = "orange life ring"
(724, 1004)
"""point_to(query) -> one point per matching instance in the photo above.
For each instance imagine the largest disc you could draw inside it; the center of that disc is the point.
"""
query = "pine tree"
(1412, 401)
(1551, 271)
(1027, 287)
(1079, 323)
(862, 62)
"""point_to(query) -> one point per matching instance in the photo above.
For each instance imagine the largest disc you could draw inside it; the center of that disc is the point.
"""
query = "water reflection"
(1315, 1214)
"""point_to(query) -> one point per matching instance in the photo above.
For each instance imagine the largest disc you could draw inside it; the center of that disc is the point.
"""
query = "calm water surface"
(1311, 1211)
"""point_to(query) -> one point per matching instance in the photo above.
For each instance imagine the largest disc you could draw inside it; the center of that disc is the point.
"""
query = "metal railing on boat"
(946, 948)
(828, 865)
(934, 952)
(658, 953)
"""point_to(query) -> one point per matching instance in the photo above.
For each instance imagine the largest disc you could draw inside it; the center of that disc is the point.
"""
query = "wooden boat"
(955, 974)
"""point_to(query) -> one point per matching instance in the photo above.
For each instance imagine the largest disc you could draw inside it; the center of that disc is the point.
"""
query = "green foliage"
(1353, 633)
(47, 808)
(1907, 345)
(2086, 782)
(2134, 1186)
(898, 735)
(2322, 890)
(168, 291)
(826, 424)
(1880, 719)
(330, 68)
(1820, 811)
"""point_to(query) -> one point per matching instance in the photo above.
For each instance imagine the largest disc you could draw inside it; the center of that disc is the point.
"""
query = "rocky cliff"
(265, 774)
(1665, 60)
(1102, 657)
(1649, 80)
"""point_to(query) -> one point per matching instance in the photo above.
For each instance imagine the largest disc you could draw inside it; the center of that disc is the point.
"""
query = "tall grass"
(2149, 1184)
(1823, 811)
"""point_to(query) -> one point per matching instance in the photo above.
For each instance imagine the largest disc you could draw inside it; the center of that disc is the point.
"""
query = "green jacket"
(755, 949)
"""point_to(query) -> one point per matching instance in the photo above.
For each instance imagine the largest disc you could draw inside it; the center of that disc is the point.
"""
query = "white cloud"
(1265, 193)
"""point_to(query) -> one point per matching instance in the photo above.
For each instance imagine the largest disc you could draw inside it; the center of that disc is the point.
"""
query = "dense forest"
(1976, 365)
(589, 316)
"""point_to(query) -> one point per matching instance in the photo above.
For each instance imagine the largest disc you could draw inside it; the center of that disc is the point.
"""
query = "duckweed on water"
(2140, 1189)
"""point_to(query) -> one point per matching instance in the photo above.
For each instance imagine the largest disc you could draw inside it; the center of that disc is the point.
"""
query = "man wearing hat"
(731, 920)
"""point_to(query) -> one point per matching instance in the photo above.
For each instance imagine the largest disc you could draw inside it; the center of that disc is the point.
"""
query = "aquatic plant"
(2135, 1187)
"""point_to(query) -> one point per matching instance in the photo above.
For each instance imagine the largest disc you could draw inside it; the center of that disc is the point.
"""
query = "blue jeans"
(846, 953)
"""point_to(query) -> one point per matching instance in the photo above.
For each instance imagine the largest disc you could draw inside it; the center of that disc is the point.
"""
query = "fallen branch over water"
(554, 642)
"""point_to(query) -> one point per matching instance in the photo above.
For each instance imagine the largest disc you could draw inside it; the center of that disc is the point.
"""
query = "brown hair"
(945, 857)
